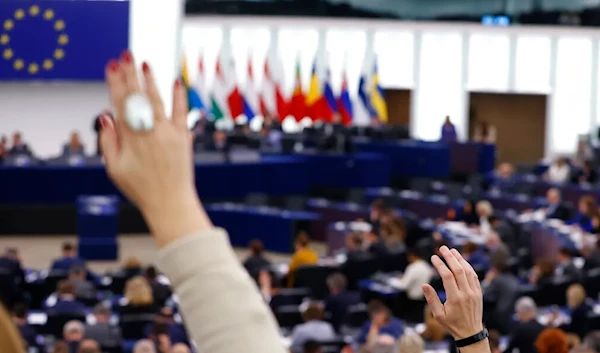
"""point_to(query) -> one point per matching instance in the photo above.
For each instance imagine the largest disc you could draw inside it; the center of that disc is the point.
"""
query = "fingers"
(470, 273)
(153, 94)
(456, 268)
(180, 105)
(447, 277)
(130, 73)
(117, 88)
(436, 306)
(108, 141)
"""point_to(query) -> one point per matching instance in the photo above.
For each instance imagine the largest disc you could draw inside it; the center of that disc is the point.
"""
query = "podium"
(97, 227)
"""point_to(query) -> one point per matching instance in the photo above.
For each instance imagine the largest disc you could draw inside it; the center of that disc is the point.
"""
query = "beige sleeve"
(221, 305)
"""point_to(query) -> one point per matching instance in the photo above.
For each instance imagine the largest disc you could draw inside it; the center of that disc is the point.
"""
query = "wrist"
(467, 333)
(175, 217)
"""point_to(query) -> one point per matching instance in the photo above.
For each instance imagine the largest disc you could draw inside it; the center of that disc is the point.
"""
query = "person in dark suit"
(565, 265)
(475, 257)
(83, 287)
(165, 318)
(587, 208)
(102, 331)
(74, 146)
(556, 209)
(219, 142)
(73, 333)
(256, 261)
(10, 264)
(3, 148)
(527, 329)
(354, 247)
(339, 299)
(69, 258)
(160, 292)
(19, 148)
(587, 175)
(500, 288)
(580, 308)
(19, 318)
(65, 300)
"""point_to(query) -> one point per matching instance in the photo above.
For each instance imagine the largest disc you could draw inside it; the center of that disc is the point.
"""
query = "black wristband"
(478, 337)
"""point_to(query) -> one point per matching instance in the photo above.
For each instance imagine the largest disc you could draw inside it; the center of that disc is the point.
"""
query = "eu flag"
(60, 40)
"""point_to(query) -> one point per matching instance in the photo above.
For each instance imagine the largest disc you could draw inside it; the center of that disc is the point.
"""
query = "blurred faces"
(380, 318)
(219, 137)
(17, 139)
(553, 196)
(505, 170)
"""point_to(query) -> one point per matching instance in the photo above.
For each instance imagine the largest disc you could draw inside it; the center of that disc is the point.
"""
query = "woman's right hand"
(462, 313)
(154, 169)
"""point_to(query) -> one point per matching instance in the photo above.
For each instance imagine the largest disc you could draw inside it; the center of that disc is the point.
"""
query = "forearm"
(220, 304)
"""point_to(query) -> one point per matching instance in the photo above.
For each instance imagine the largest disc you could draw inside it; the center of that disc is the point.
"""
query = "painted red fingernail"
(127, 57)
(103, 122)
(178, 82)
(113, 65)
(145, 67)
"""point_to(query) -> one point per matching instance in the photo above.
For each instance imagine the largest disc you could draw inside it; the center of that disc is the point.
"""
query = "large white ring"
(138, 112)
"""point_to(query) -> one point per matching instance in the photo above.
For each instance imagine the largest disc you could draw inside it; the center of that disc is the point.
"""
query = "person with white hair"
(144, 346)
(484, 211)
(73, 333)
(527, 328)
(411, 342)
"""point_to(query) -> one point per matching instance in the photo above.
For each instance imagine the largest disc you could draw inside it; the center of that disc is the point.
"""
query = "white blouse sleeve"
(222, 309)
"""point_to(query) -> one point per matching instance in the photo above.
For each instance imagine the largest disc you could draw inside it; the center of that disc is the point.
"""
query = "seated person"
(83, 287)
(579, 308)
(175, 331)
(376, 212)
(381, 329)
(160, 292)
(591, 254)
(527, 329)
(433, 330)
(503, 179)
(19, 148)
(565, 265)
(468, 215)
(312, 347)
(587, 174)
(3, 148)
(10, 263)
(73, 333)
(417, 273)
(89, 346)
(354, 247)
(74, 147)
(501, 288)
(543, 272)
(485, 213)
(256, 261)
(584, 153)
(313, 328)
(559, 172)
(339, 299)
(69, 258)
(138, 298)
(102, 331)
(555, 209)
(476, 257)
(19, 318)
(270, 139)
(219, 142)
(587, 208)
(303, 256)
(65, 300)
(393, 234)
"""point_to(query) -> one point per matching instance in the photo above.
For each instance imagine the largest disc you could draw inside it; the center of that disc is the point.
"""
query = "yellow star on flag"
(8, 25)
(48, 14)
(4, 39)
(59, 54)
(59, 25)
(63, 39)
(48, 64)
(33, 68)
(34, 10)
(7, 54)
(19, 14)
(18, 64)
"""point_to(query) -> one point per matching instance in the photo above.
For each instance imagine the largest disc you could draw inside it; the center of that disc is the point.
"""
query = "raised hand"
(462, 313)
(154, 168)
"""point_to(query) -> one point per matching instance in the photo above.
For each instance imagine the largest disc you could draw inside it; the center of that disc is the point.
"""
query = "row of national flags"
(227, 99)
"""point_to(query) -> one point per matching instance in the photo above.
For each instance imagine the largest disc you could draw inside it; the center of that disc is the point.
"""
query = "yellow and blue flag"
(378, 98)
(60, 40)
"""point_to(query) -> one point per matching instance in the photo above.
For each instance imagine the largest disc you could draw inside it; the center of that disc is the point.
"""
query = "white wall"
(46, 113)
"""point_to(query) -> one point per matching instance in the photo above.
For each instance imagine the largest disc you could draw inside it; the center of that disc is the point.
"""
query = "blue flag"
(60, 40)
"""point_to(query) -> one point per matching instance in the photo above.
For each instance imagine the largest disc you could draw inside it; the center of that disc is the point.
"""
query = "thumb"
(108, 141)
(436, 306)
